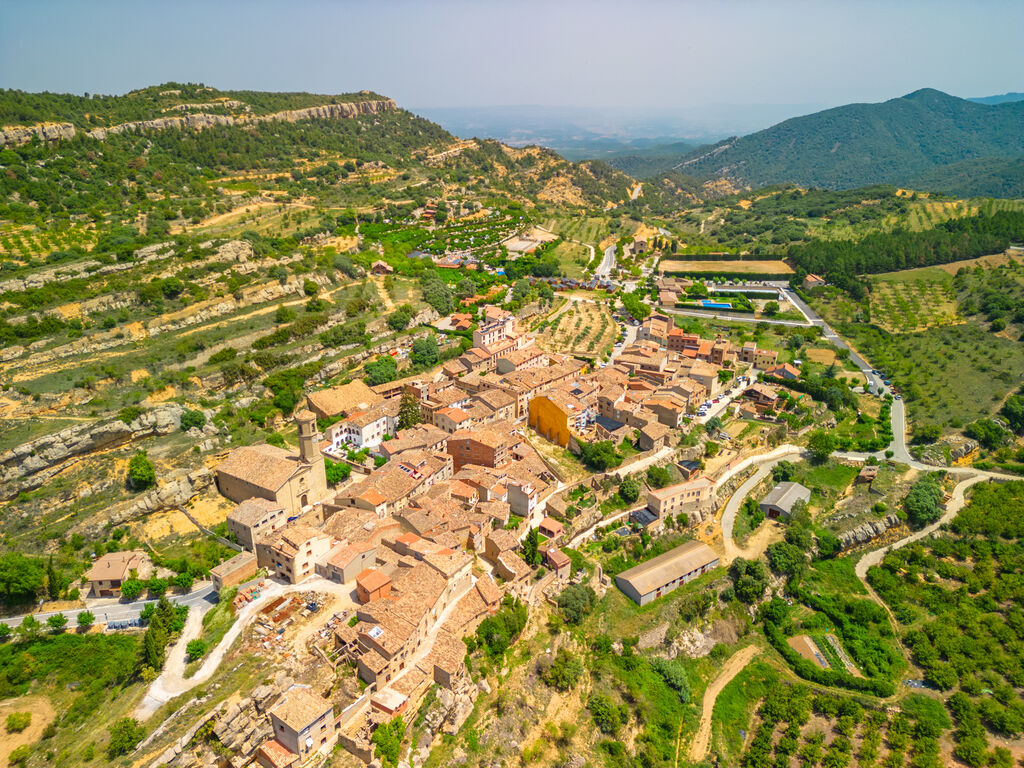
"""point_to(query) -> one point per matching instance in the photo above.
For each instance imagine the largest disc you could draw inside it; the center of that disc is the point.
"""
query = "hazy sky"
(642, 53)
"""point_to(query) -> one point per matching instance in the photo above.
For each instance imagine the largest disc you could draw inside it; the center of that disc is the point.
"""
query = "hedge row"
(690, 305)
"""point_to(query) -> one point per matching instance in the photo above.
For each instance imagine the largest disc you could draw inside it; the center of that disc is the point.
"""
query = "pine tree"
(409, 413)
(530, 544)
(54, 584)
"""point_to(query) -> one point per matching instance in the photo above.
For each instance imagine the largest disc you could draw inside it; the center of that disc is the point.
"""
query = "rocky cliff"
(31, 464)
(23, 134)
(198, 121)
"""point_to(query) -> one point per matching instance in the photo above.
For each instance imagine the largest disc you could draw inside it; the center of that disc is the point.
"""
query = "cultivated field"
(28, 242)
(713, 267)
(913, 300)
(586, 229)
(582, 329)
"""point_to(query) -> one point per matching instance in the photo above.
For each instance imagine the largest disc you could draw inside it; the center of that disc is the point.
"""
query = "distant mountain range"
(959, 146)
(1000, 99)
(604, 132)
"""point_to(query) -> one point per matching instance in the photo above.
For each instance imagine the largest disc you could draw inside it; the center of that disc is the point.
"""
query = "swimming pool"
(715, 304)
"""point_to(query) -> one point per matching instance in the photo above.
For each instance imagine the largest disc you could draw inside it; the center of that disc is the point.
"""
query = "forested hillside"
(904, 141)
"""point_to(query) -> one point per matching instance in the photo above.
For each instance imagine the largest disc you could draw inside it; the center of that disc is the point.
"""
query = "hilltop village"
(429, 531)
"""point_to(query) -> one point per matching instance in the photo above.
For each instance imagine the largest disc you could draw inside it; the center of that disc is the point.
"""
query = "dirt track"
(42, 714)
(731, 668)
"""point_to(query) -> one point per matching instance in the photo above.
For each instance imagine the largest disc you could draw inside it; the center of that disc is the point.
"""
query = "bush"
(563, 672)
(141, 473)
(659, 477)
(629, 490)
(600, 456)
(922, 502)
(19, 755)
(387, 741)
(192, 418)
(195, 649)
(132, 588)
(575, 602)
(18, 721)
(125, 734)
(607, 716)
(85, 619)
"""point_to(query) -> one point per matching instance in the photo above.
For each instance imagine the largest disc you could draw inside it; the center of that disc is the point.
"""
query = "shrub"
(195, 649)
(607, 716)
(192, 418)
(629, 490)
(575, 602)
(18, 721)
(125, 734)
(387, 741)
(563, 672)
(141, 473)
(85, 619)
(132, 588)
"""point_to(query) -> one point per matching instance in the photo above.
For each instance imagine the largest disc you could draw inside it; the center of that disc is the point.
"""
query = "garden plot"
(583, 329)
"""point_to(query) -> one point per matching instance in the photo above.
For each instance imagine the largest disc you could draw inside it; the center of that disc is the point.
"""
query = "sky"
(641, 54)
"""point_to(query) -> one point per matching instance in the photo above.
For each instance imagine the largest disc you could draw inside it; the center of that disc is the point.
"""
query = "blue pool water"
(715, 304)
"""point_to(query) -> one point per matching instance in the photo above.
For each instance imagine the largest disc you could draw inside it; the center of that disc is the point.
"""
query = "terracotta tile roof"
(373, 661)
(298, 707)
(251, 511)
(116, 566)
(671, 491)
(504, 540)
(277, 754)
(354, 396)
(558, 558)
(488, 590)
(371, 579)
(264, 466)
(344, 556)
(448, 652)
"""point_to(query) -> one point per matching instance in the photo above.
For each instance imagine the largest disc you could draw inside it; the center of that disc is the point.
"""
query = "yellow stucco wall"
(549, 420)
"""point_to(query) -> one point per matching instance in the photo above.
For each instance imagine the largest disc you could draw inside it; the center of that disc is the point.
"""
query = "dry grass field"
(713, 267)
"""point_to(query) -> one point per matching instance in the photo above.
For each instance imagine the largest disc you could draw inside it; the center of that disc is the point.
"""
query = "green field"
(573, 258)
(586, 229)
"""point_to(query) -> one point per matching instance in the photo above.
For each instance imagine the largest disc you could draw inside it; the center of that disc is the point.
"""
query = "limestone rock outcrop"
(198, 121)
(22, 134)
(33, 463)
(868, 531)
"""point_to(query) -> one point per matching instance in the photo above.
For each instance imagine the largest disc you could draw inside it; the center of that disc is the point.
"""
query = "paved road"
(832, 336)
(607, 264)
(767, 461)
(108, 610)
